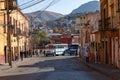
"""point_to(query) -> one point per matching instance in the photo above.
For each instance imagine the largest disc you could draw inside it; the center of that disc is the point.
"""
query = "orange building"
(110, 30)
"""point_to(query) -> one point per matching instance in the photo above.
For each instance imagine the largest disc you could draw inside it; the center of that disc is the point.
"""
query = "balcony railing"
(105, 25)
(118, 5)
(12, 27)
(19, 32)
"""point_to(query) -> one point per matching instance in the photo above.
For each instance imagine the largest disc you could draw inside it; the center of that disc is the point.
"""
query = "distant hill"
(91, 6)
(43, 16)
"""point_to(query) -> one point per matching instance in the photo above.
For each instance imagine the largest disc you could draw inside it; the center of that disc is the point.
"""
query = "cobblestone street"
(51, 68)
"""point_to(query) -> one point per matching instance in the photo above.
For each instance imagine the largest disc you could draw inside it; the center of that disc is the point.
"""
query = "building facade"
(110, 23)
(80, 21)
(94, 42)
(19, 33)
(89, 34)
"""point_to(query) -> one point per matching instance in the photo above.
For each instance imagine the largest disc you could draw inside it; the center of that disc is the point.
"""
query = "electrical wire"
(29, 4)
(53, 2)
(25, 3)
(37, 2)
(47, 6)
(50, 4)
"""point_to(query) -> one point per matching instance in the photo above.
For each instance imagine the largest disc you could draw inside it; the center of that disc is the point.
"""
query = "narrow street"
(51, 68)
(32, 30)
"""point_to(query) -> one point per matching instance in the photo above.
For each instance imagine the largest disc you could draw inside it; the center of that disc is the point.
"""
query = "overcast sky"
(62, 6)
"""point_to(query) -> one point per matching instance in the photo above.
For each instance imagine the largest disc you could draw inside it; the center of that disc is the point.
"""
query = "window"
(2, 5)
(118, 5)
(119, 10)
(112, 16)
(5, 29)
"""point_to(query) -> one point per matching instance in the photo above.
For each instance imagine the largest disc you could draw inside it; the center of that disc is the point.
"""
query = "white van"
(60, 48)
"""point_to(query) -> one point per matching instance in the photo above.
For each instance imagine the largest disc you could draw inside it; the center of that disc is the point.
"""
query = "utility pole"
(10, 5)
(8, 33)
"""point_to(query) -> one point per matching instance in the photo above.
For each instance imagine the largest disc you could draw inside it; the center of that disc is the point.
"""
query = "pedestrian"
(86, 56)
(30, 54)
(16, 56)
(21, 55)
(76, 53)
(44, 51)
(40, 51)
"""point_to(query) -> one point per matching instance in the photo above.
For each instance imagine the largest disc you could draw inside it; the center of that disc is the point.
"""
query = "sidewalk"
(111, 72)
(6, 66)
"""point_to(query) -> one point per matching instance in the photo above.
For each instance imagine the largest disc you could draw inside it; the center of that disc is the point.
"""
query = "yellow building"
(80, 21)
(19, 25)
(20, 32)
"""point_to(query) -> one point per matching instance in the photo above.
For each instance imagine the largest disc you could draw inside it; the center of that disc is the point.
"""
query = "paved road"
(52, 68)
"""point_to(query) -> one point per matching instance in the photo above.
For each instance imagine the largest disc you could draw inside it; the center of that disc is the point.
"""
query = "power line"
(30, 5)
(36, 2)
(26, 3)
(50, 4)
(47, 6)
(25, 6)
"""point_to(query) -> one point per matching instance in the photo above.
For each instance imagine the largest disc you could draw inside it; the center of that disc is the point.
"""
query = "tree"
(39, 38)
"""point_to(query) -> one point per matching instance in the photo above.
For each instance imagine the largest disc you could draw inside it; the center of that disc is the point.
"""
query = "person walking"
(16, 56)
(21, 55)
(86, 56)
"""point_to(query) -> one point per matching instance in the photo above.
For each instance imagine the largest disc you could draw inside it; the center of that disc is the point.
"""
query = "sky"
(62, 6)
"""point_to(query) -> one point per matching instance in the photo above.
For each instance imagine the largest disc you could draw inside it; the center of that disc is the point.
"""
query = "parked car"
(49, 50)
(74, 49)
(66, 52)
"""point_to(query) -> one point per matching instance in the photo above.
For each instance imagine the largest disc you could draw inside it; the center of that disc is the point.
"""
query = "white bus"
(60, 48)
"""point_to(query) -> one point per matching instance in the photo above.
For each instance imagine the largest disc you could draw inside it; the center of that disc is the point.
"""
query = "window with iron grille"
(118, 5)
(5, 29)
(119, 11)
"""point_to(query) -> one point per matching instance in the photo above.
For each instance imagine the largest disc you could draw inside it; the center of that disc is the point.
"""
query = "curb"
(98, 70)
(5, 67)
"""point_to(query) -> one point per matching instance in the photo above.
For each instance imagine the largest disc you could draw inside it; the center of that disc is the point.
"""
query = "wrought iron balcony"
(100, 23)
(18, 31)
(105, 25)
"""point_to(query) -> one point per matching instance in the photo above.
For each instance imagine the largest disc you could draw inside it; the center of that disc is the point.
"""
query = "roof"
(54, 34)
(18, 9)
